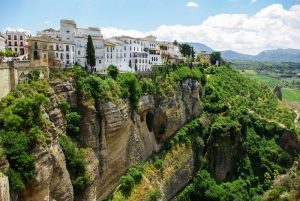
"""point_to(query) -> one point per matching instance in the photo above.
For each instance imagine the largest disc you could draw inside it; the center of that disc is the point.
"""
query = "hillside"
(233, 150)
(278, 55)
(182, 132)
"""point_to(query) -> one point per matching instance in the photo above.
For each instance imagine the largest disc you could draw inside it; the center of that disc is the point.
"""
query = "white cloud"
(271, 27)
(253, 1)
(192, 4)
(17, 29)
(47, 22)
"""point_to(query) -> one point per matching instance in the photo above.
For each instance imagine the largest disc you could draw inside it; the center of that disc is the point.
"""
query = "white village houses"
(127, 53)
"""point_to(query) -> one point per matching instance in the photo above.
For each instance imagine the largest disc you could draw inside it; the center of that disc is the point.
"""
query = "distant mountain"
(198, 47)
(283, 55)
(279, 55)
(232, 55)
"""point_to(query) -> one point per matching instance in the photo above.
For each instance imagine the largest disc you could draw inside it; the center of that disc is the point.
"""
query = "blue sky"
(142, 16)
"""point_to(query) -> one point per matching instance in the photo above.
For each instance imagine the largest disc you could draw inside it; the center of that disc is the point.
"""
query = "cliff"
(171, 135)
(117, 140)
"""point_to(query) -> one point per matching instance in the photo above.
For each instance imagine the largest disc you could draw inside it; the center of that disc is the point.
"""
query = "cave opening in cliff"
(149, 121)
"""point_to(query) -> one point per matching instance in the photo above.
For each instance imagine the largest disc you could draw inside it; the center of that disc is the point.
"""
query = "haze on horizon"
(246, 26)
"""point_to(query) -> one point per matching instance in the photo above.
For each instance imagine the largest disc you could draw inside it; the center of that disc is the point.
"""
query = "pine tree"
(90, 54)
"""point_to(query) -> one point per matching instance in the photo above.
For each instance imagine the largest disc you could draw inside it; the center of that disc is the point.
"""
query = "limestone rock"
(4, 188)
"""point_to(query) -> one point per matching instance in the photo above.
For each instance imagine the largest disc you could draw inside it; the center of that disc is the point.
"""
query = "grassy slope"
(289, 95)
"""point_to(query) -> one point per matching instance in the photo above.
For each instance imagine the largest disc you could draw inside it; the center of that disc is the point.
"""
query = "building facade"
(53, 52)
(127, 53)
(2, 42)
(17, 41)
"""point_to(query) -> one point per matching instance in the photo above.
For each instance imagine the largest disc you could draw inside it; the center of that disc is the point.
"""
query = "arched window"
(35, 45)
(35, 55)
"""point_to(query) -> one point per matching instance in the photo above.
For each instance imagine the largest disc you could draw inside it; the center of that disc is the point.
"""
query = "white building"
(17, 41)
(127, 53)
(2, 43)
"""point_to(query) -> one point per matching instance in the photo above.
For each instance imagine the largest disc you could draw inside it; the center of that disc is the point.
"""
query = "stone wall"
(4, 81)
(13, 72)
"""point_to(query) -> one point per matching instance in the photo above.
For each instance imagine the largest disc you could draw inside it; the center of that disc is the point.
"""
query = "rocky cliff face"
(115, 137)
(124, 137)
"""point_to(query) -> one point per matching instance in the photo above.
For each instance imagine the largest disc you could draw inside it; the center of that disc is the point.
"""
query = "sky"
(246, 26)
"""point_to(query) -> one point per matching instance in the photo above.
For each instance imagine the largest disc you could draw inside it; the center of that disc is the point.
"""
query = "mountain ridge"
(275, 55)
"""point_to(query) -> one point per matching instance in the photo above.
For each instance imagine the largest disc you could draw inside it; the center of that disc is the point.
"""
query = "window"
(15, 37)
(9, 43)
(68, 56)
(35, 45)
(16, 49)
(56, 55)
(35, 55)
(16, 43)
(57, 47)
(21, 37)
(67, 48)
(78, 52)
(99, 61)
(9, 37)
(68, 31)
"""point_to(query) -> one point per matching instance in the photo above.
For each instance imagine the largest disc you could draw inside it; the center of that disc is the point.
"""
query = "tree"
(113, 71)
(215, 58)
(175, 43)
(187, 50)
(90, 54)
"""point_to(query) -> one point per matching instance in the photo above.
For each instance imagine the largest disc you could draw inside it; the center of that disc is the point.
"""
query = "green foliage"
(155, 195)
(90, 53)
(73, 119)
(113, 71)
(148, 86)
(64, 106)
(130, 88)
(186, 50)
(15, 180)
(76, 163)
(93, 86)
(133, 177)
(215, 57)
(184, 73)
(204, 187)
(7, 53)
(21, 128)
(33, 76)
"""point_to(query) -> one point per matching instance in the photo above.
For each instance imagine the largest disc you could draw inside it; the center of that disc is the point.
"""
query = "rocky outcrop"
(179, 179)
(123, 137)
(115, 138)
(222, 152)
(4, 188)
(52, 180)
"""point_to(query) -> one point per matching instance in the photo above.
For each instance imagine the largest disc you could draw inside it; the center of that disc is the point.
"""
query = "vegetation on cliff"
(22, 127)
(242, 121)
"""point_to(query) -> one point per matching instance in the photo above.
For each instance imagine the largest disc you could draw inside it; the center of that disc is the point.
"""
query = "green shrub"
(113, 71)
(73, 119)
(64, 106)
(15, 180)
(155, 195)
(126, 184)
(130, 88)
(76, 163)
